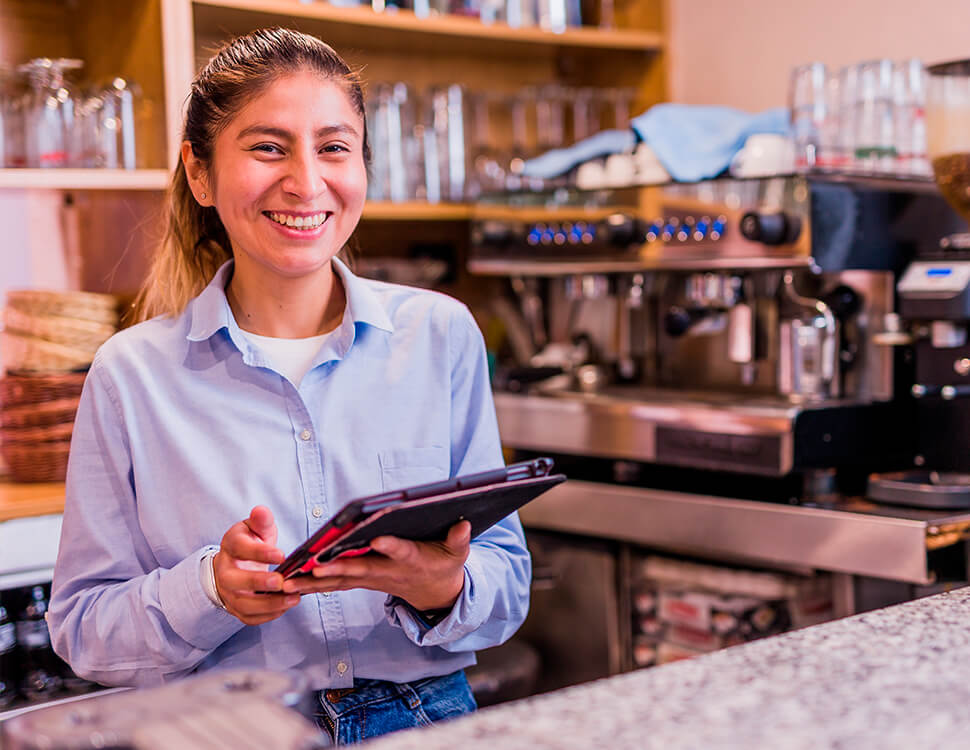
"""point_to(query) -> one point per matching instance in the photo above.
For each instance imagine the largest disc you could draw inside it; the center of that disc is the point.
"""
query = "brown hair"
(195, 243)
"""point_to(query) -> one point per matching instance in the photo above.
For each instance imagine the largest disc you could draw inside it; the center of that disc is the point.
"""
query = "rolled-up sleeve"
(117, 616)
(495, 598)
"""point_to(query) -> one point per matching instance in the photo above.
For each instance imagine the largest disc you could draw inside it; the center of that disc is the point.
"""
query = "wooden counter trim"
(22, 500)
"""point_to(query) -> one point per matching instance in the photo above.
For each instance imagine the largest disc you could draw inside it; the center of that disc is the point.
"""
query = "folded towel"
(560, 160)
(692, 143)
(695, 143)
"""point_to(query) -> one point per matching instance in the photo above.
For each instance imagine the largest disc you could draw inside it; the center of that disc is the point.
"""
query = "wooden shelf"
(22, 500)
(84, 179)
(414, 211)
(216, 15)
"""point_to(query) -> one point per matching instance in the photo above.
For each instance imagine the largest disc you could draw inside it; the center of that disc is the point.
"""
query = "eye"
(267, 148)
(334, 148)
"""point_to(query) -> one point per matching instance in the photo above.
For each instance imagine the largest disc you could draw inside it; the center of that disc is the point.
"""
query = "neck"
(286, 308)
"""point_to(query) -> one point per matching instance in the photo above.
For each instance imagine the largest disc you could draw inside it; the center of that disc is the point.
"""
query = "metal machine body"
(722, 370)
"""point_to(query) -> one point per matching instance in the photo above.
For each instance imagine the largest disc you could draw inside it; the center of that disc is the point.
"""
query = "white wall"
(739, 52)
(32, 243)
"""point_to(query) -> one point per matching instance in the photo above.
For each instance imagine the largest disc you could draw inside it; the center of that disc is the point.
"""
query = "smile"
(308, 222)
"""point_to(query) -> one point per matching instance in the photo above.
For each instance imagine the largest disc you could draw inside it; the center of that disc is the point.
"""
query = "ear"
(197, 175)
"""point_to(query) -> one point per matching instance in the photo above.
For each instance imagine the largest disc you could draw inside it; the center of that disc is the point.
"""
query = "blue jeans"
(374, 707)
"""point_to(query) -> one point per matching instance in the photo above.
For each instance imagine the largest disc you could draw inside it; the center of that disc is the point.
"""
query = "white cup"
(764, 155)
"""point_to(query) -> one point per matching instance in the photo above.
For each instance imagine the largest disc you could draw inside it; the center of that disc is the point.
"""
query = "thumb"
(262, 524)
(459, 536)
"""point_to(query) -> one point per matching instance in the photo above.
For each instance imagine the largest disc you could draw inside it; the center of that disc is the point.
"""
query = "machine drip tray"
(921, 489)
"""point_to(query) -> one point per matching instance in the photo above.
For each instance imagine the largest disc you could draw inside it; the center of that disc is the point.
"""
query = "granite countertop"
(892, 678)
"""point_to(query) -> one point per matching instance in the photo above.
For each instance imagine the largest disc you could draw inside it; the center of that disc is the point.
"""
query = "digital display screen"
(939, 271)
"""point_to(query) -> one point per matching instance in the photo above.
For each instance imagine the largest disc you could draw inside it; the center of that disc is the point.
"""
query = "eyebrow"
(286, 135)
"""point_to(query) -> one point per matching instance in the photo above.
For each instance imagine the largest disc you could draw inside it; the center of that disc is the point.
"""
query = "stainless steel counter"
(848, 535)
(852, 536)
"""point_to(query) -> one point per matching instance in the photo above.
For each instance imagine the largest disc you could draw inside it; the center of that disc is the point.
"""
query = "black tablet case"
(429, 518)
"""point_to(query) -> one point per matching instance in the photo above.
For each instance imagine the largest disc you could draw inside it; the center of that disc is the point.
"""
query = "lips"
(302, 221)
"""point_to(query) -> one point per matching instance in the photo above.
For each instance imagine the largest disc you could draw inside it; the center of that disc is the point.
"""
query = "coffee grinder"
(934, 308)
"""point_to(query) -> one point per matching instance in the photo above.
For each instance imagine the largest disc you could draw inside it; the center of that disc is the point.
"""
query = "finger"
(309, 585)
(394, 547)
(262, 524)
(240, 580)
(265, 606)
(242, 545)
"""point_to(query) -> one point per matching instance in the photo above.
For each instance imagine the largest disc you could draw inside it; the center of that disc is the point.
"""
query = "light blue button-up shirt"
(184, 426)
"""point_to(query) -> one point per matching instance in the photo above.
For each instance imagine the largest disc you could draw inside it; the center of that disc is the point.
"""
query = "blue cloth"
(560, 160)
(695, 143)
(183, 427)
(374, 707)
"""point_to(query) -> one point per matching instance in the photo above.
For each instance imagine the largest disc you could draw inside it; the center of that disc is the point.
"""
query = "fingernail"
(291, 600)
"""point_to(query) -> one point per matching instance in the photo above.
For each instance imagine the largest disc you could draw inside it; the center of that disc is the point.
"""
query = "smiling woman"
(268, 383)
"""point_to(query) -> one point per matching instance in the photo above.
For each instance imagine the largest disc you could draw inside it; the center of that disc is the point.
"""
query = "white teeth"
(298, 222)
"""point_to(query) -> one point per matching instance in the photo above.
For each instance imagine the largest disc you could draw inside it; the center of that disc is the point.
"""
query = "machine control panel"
(935, 277)
(934, 290)
(616, 232)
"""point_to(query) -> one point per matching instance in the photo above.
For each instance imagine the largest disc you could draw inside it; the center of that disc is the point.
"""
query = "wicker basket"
(39, 415)
(48, 434)
(100, 308)
(36, 462)
(37, 355)
(18, 388)
(85, 335)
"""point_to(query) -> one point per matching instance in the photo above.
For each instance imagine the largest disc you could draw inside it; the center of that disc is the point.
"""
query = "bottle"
(40, 679)
(8, 658)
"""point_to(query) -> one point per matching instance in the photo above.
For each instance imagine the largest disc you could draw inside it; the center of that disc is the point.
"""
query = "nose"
(304, 177)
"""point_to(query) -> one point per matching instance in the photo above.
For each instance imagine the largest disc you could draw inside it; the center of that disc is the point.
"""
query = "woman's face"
(288, 176)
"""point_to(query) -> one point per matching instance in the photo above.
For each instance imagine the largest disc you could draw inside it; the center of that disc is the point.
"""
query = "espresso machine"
(727, 370)
(713, 338)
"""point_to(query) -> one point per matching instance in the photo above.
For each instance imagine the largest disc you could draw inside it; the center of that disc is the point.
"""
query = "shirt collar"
(210, 310)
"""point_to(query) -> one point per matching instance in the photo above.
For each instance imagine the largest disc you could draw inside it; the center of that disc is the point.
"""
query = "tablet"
(424, 512)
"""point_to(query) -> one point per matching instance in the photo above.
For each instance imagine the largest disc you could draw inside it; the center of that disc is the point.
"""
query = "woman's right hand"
(241, 568)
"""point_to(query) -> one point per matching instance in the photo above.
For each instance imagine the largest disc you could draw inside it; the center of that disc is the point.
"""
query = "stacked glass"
(863, 118)
(441, 144)
(47, 121)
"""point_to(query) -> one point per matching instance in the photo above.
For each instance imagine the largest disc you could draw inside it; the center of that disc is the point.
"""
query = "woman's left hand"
(427, 575)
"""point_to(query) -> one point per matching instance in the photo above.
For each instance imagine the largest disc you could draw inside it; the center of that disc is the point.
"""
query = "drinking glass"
(487, 170)
(396, 173)
(398, 109)
(874, 111)
(49, 112)
(807, 103)
(445, 152)
(520, 13)
(585, 118)
(909, 98)
(848, 94)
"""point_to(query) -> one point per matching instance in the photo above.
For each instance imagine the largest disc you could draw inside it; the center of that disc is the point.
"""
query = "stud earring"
(204, 196)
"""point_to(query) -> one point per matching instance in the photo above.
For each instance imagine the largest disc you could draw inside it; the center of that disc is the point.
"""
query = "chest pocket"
(409, 466)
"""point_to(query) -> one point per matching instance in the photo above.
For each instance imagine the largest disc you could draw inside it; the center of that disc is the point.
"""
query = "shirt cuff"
(189, 611)
(207, 577)
(462, 620)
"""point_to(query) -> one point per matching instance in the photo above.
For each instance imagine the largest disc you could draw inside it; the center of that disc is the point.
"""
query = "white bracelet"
(207, 576)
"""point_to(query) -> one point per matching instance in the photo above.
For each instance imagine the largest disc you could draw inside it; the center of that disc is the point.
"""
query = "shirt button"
(341, 666)
(306, 435)
(326, 593)
(317, 511)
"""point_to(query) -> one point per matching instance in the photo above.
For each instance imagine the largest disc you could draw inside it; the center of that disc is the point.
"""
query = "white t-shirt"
(291, 357)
